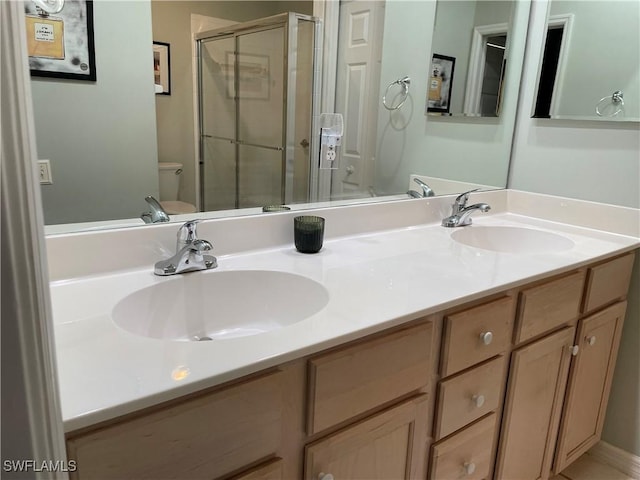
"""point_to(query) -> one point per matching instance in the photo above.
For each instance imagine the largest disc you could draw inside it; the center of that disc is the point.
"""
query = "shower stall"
(257, 89)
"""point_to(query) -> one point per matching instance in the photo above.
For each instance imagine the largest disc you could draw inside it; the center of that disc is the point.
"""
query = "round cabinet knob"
(486, 338)
(350, 169)
(478, 400)
(325, 476)
(591, 340)
(469, 468)
(574, 349)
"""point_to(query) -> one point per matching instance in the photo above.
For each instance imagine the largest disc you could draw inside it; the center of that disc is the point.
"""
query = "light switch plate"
(44, 171)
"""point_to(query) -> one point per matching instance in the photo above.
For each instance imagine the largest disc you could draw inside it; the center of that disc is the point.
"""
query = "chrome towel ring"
(617, 99)
(404, 83)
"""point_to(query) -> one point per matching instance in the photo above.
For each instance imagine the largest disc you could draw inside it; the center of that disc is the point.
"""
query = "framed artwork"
(253, 75)
(60, 41)
(440, 83)
(162, 68)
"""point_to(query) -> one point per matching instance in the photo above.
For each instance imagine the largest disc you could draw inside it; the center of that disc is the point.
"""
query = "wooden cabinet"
(598, 338)
(389, 445)
(467, 454)
(208, 436)
(271, 470)
(476, 334)
(361, 377)
(537, 381)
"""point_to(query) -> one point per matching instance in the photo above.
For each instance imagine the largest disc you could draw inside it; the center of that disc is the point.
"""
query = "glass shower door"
(218, 128)
(261, 85)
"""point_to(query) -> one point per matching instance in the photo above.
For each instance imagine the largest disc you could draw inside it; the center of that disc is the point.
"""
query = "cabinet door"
(389, 445)
(537, 382)
(589, 383)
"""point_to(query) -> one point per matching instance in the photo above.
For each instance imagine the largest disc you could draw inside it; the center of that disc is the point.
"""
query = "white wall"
(101, 137)
(597, 161)
(609, 64)
(465, 149)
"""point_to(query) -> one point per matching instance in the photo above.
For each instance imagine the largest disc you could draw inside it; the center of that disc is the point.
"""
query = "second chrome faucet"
(460, 213)
(190, 253)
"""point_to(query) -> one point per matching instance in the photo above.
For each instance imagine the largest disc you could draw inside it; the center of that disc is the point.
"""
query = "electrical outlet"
(44, 172)
(331, 154)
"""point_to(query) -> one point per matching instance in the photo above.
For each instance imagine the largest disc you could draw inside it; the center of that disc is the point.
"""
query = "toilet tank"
(169, 174)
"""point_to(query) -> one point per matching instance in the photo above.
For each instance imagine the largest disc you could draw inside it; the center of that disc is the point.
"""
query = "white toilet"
(169, 174)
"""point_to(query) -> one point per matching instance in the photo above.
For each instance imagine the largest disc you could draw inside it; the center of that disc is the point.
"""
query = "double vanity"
(403, 349)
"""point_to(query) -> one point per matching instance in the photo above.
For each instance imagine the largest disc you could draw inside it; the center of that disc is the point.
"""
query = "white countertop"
(375, 280)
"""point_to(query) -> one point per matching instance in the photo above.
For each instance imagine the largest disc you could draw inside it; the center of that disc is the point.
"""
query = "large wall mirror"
(590, 68)
(106, 139)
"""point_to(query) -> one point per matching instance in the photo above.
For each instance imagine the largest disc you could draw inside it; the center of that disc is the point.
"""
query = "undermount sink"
(511, 239)
(219, 305)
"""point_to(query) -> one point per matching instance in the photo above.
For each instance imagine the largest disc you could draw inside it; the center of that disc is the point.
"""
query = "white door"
(357, 94)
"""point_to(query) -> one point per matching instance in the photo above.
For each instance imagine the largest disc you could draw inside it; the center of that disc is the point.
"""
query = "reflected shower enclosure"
(256, 108)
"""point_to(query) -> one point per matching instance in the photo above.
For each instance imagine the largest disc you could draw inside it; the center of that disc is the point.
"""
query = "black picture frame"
(162, 66)
(440, 86)
(77, 59)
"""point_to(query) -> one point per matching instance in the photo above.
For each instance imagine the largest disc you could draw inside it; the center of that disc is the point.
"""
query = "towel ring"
(617, 98)
(404, 82)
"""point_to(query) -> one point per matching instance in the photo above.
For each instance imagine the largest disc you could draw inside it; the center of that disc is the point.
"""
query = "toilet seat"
(176, 207)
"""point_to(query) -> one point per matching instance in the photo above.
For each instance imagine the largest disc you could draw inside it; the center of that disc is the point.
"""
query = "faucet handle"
(461, 200)
(187, 233)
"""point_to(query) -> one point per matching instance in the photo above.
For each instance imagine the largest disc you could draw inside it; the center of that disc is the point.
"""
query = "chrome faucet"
(460, 213)
(157, 213)
(190, 253)
(427, 191)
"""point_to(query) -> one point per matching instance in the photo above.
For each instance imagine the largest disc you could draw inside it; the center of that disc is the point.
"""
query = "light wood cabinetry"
(353, 380)
(204, 437)
(538, 377)
(476, 334)
(598, 338)
(467, 454)
(390, 445)
(383, 407)
(468, 396)
(548, 306)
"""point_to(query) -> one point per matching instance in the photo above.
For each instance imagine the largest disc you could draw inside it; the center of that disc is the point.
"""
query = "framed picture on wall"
(440, 83)
(162, 68)
(253, 75)
(60, 39)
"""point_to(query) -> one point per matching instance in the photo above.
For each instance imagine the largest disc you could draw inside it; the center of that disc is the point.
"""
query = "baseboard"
(621, 460)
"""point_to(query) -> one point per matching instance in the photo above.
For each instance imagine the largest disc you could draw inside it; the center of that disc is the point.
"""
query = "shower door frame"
(289, 21)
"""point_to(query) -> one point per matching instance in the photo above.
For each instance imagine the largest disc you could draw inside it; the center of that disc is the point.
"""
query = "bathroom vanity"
(432, 358)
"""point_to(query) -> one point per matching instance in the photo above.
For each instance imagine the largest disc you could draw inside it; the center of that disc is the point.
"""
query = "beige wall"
(175, 113)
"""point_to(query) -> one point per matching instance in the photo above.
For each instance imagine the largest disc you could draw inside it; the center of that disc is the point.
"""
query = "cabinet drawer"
(608, 282)
(356, 379)
(476, 334)
(216, 434)
(466, 454)
(548, 306)
(271, 470)
(468, 396)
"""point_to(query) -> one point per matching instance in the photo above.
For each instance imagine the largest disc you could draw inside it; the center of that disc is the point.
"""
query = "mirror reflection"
(590, 67)
(114, 141)
(472, 35)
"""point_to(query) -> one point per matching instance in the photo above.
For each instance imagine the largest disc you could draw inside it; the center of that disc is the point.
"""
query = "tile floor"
(586, 468)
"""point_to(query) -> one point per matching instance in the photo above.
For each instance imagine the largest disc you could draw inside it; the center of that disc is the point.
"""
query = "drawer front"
(466, 454)
(356, 379)
(476, 334)
(217, 433)
(608, 282)
(271, 470)
(468, 396)
(548, 306)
